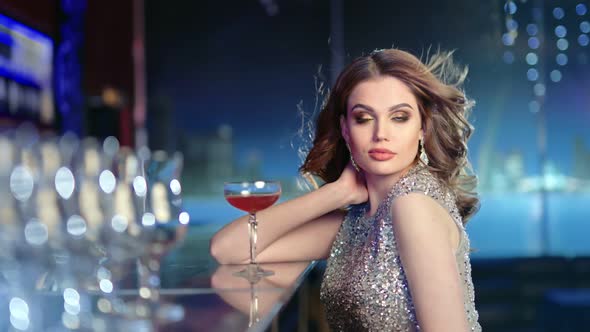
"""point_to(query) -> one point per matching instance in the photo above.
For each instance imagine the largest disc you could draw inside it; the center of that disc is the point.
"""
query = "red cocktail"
(252, 197)
(252, 203)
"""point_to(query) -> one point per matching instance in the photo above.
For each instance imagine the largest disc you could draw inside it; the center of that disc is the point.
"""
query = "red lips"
(381, 154)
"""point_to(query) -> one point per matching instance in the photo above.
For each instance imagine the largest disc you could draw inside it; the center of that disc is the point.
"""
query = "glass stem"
(252, 233)
(253, 306)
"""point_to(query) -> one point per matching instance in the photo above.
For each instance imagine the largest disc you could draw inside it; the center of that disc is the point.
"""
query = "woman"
(391, 146)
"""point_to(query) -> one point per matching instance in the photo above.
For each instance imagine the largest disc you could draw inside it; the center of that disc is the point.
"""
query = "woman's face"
(382, 126)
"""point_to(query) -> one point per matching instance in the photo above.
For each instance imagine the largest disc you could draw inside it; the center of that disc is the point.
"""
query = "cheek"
(411, 140)
(359, 134)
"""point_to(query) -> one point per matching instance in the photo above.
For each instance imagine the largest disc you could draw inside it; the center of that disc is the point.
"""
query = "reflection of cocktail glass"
(252, 196)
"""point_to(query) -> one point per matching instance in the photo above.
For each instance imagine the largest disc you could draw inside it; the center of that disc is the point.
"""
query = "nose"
(379, 132)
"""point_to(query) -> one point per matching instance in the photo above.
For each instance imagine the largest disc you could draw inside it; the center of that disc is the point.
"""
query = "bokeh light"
(64, 182)
(532, 74)
(534, 43)
(110, 145)
(583, 40)
(534, 106)
(585, 27)
(175, 187)
(510, 7)
(555, 75)
(558, 13)
(581, 9)
(36, 233)
(508, 39)
(21, 183)
(119, 223)
(511, 24)
(148, 219)
(561, 59)
(19, 313)
(532, 58)
(508, 57)
(184, 218)
(106, 286)
(107, 181)
(562, 44)
(140, 186)
(76, 225)
(560, 31)
(539, 89)
(532, 29)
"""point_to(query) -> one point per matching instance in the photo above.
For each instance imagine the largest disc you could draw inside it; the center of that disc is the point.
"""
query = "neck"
(379, 186)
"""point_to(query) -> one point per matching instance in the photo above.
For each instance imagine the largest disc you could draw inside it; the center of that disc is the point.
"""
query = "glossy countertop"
(190, 292)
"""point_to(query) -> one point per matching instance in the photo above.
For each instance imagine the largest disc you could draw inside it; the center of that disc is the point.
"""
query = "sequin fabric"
(364, 286)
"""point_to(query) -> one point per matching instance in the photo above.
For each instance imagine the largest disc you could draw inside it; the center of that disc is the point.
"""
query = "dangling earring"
(356, 167)
(423, 155)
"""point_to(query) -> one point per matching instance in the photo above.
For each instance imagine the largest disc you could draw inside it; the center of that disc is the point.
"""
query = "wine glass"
(252, 196)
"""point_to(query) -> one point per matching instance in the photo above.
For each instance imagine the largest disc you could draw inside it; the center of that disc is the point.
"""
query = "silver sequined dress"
(364, 286)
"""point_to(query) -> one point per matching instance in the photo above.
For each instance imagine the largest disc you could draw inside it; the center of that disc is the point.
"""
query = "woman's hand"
(353, 182)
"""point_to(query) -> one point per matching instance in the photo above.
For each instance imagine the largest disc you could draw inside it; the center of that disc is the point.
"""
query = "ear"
(344, 129)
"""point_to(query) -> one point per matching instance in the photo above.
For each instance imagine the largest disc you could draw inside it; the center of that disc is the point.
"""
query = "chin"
(385, 169)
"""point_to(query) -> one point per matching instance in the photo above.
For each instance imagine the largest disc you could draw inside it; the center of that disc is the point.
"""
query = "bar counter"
(192, 293)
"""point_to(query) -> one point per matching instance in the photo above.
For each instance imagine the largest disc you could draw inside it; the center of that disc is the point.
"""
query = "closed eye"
(363, 119)
(400, 118)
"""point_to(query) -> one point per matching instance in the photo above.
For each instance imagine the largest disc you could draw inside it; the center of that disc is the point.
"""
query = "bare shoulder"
(418, 217)
(423, 236)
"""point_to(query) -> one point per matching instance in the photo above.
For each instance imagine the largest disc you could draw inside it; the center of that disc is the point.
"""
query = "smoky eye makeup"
(361, 117)
(400, 116)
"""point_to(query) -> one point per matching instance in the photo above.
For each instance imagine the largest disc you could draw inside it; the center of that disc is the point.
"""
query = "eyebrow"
(391, 109)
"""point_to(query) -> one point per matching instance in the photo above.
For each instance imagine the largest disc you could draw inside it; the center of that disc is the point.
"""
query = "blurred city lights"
(585, 26)
(510, 7)
(508, 39)
(532, 29)
(539, 89)
(562, 44)
(534, 43)
(561, 59)
(511, 24)
(581, 9)
(560, 31)
(508, 57)
(558, 13)
(532, 74)
(555, 75)
(532, 58)
(583, 40)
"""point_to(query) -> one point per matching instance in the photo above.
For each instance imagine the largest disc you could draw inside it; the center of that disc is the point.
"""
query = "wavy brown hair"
(443, 108)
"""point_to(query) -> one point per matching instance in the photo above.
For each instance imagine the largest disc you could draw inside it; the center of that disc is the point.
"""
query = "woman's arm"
(424, 231)
(299, 229)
